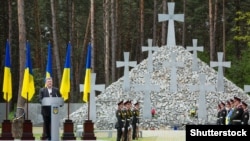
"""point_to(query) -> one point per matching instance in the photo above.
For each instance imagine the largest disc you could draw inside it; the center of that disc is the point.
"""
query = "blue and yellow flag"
(65, 83)
(49, 62)
(28, 88)
(7, 80)
(87, 80)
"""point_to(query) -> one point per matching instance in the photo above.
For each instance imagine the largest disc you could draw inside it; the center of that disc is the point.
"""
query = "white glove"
(137, 124)
(122, 129)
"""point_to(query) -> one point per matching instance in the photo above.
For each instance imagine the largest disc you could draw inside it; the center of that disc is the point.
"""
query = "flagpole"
(27, 105)
(68, 106)
(7, 107)
(88, 105)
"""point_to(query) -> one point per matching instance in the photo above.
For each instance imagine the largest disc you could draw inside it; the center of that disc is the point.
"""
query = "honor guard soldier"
(127, 126)
(135, 120)
(130, 116)
(120, 121)
(245, 115)
(223, 113)
(235, 119)
(218, 114)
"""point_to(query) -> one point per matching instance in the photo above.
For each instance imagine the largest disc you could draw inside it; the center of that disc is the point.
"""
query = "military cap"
(120, 102)
(136, 103)
(222, 103)
(244, 103)
(125, 102)
(237, 98)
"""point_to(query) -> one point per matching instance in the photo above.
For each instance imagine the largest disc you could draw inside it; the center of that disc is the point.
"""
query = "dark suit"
(135, 122)
(235, 119)
(120, 124)
(245, 118)
(223, 114)
(46, 110)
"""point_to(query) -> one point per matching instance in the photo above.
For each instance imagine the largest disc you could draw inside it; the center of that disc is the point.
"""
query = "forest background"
(114, 27)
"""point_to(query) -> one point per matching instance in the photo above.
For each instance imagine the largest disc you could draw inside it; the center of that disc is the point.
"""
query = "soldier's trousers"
(134, 134)
(119, 134)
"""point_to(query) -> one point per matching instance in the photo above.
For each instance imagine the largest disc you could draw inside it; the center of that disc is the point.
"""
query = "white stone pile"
(171, 108)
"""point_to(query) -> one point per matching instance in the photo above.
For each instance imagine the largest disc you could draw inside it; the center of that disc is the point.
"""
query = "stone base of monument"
(6, 130)
(27, 131)
(88, 133)
(68, 130)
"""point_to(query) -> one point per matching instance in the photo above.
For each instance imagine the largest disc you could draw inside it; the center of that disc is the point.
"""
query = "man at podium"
(48, 91)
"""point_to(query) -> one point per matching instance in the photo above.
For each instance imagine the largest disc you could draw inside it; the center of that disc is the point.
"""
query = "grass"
(139, 139)
(170, 135)
(38, 136)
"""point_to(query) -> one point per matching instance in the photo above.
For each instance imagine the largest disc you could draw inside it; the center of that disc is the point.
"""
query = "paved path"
(163, 135)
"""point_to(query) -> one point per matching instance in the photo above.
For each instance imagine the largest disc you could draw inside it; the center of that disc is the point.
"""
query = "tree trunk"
(84, 50)
(73, 59)
(106, 40)
(9, 21)
(141, 29)
(164, 24)
(154, 23)
(39, 56)
(113, 39)
(17, 124)
(224, 30)
(211, 30)
(215, 44)
(55, 45)
(92, 32)
(118, 8)
(184, 25)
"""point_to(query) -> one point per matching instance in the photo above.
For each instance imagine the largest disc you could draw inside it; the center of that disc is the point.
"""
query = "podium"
(55, 103)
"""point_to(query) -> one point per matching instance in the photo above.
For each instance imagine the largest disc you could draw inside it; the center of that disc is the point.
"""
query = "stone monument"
(171, 17)
(220, 64)
(195, 48)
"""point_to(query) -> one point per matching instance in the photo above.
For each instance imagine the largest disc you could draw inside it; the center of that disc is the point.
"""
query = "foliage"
(243, 27)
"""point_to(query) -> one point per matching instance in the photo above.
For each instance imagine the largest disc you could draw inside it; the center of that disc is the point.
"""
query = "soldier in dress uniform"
(120, 120)
(125, 132)
(218, 114)
(129, 117)
(127, 128)
(235, 119)
(135, 120)
(223, 113)
(245, 115)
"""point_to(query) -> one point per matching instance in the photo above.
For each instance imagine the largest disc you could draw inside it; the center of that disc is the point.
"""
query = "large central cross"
(173, 65)
(203, 88)
(147, 88)
(220, 65)
(126, 64)
(150, 49)
(171, 17)
(94, 87)
(195, 48)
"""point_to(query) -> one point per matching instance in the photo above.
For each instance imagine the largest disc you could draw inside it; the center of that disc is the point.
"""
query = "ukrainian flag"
(28, 88)
(87, 80)
(49, 62)
(7, 81)
(65, 83)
